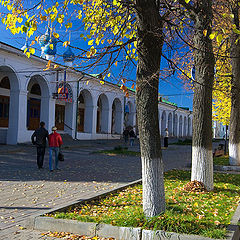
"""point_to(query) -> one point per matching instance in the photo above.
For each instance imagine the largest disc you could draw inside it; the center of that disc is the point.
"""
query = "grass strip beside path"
(123, 151)
(223, 160)
(201, 213)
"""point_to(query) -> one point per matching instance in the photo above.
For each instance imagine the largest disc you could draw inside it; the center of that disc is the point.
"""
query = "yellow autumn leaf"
(212, 35)
(88, 54)
(32, 50)
(219, 38)
(116, 63)
(37, 38)
(56, 35)
(195, 204)
(66, 43)
(87, 82)
(32, 43)
(205, 32)
(56, 66)
(45, 69)
(51, 46)
(109, 75)
(90, 42)
(43, 18)
(28, 54)
(102, 82)
(49, 64)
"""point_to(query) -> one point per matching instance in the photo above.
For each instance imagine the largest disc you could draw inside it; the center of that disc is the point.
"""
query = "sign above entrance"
(64, 93)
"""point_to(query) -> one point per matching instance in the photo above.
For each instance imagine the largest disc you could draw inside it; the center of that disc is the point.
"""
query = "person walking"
(55, 142)
(39, 138)
(132, 136)
(166, 138)
(125, 135)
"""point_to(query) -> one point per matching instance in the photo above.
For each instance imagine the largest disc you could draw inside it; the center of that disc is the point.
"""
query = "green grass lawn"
(120, 151)
(182, 142)
(202, 213)
(223, 160)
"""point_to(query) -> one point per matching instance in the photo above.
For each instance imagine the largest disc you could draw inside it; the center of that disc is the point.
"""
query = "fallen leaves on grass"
(195, 186)
(189, 209)
(70, 236)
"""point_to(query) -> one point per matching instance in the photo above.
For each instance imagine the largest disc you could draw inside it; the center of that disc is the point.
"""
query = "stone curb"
(162, 235)
(226, 168)
(233, 228)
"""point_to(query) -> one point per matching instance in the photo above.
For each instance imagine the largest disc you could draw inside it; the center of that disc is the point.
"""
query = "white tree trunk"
(234, 126)
(150, 40)
(202, 162)
(234, 153)
(202, 170)
(153, 191)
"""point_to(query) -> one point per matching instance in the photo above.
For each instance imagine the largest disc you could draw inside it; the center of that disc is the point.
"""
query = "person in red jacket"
(55, 142)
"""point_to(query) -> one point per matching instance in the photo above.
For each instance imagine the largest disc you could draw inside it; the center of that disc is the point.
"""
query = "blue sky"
(171, 88)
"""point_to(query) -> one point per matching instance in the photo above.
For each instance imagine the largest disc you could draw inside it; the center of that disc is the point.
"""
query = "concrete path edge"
(39, 222)
(226, 168)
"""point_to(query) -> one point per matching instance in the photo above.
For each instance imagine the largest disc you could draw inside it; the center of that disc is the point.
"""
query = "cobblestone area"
(26, 191)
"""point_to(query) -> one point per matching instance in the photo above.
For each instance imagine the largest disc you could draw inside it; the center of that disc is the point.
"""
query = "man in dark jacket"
(39, 139)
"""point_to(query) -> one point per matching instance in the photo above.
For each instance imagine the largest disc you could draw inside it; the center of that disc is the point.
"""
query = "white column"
(109, 120)
(17, 117)
(70, 118)
(94, 120)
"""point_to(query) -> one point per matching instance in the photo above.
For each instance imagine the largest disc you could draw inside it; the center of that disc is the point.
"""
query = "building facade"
(80, 106)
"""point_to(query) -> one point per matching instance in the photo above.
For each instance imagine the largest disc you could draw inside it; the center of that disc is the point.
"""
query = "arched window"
(5, 83)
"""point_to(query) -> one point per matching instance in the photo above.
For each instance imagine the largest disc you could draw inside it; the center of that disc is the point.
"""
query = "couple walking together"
(39, 138)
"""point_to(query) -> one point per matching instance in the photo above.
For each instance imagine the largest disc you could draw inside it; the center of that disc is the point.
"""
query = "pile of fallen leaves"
(70, 236)
(195, 186)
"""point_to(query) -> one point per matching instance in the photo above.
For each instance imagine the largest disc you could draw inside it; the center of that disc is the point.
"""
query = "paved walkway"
(26, 191)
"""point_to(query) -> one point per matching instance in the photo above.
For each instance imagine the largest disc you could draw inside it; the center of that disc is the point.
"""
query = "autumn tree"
(200, 12)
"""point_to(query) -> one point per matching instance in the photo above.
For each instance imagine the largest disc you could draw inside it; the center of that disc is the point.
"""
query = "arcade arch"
(116, 127)
(37, 102)
(129, 114)
(9, 104)
(102, 114)
(4, 101)
(175, 125)
(85, 112)
(64, 108)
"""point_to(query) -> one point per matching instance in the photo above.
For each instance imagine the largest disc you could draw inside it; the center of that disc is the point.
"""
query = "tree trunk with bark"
(150, 41)
(202, 160)
(234, 127)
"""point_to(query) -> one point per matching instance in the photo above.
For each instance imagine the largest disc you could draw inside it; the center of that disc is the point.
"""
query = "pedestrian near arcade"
(55, 142)
(125, 135)
(132, 136)
(39, 138)
(166, 138)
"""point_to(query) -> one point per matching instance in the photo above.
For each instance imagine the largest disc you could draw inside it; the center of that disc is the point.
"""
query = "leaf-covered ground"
(202, 213)
(69, 236)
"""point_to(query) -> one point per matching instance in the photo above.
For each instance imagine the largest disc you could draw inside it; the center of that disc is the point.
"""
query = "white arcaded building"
(91, 111)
